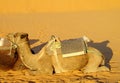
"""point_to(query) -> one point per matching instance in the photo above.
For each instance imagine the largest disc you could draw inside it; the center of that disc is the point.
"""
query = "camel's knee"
(93, 65)
(103, 68)
(94, 62)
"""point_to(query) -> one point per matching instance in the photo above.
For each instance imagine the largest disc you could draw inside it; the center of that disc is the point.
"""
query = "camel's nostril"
(55, 40)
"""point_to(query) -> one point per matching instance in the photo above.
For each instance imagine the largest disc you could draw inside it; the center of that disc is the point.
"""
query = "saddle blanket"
(73, 47)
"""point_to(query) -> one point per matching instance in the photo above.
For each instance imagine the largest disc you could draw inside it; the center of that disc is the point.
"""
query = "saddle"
(7, 52)
(73, 47)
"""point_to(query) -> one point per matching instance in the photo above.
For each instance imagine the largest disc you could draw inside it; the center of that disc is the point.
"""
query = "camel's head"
(17, 38)
(52, 45)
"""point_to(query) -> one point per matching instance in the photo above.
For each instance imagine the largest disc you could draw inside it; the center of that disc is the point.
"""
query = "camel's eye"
(23, 36)
(55, 40)
(14, 36)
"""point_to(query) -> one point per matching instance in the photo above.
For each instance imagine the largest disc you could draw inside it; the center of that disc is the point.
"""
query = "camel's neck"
(27, 57)
(24, 48)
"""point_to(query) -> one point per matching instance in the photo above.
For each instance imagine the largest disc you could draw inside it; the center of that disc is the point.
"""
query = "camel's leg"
(95, 59)
(92, 65)
(56, 63)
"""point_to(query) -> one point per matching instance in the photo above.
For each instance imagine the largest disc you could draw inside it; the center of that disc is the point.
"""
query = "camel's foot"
(89, 70)
(60, 70)
(103, 68)
(57, 70)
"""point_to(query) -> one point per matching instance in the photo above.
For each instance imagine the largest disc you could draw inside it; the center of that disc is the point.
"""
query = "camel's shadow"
(101, 46)
(36, 49)
(104, 49)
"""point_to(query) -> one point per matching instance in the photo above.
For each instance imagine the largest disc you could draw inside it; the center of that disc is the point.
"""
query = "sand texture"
(102, 27)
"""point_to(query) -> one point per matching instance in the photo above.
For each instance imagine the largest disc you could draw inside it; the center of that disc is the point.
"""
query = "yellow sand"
(99, 20)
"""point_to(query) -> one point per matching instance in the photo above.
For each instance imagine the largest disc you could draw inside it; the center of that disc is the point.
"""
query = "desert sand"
(102, 27)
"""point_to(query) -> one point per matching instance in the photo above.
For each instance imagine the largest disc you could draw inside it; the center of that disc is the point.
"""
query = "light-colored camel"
(51, 55)
(40, 62)
(93, 61)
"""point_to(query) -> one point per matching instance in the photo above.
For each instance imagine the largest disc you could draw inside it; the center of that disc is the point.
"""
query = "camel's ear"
(24, 35)
(10, 35)
(53, 37)
(85, 38)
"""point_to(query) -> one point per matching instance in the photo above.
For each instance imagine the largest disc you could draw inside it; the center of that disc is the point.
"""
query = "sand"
(102, 27)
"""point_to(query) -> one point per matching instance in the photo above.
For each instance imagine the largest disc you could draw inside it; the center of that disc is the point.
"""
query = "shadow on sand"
(36, 49)
(104, 49)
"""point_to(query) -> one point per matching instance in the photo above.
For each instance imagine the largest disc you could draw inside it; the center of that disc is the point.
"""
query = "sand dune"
(101, 26)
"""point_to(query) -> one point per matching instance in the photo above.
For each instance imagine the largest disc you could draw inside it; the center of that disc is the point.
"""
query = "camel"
(40, 62)
(51, 56)
(92, 61)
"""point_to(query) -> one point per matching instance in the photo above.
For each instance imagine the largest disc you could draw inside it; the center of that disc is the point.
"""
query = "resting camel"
(93, 61)
(40, 62)
(50, 56)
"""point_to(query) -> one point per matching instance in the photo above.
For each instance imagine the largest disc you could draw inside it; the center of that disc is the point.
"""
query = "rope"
(12, 47)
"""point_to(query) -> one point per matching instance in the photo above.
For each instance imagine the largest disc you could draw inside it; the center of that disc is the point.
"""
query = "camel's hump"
(73, 46)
